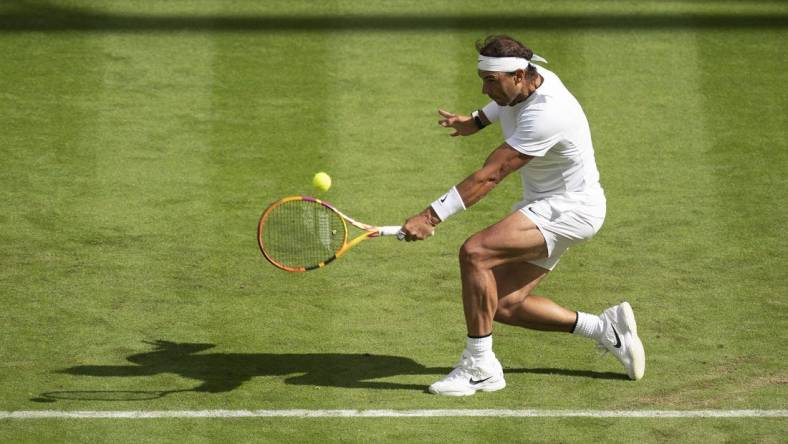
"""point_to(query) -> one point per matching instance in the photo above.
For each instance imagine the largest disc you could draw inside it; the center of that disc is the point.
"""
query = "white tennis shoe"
(470, 376)
(620, 337)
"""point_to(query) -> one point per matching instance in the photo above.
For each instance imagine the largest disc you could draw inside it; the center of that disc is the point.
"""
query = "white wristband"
(448, 204)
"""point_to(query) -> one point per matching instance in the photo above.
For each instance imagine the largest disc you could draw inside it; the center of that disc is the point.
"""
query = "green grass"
(138, 153)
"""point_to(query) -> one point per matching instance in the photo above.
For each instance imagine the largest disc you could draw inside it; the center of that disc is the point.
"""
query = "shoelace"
(463, 365)
(465, 361)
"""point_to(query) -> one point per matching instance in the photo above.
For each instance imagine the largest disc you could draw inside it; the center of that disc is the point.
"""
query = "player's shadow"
(224, 372)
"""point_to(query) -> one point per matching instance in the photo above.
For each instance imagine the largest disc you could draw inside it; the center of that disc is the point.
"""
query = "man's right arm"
(503, 161)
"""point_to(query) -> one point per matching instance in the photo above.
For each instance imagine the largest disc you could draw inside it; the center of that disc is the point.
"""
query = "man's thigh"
(516, 280)
(514, 239)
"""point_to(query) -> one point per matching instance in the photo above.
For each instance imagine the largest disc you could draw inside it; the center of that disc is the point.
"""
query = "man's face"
(501, 87)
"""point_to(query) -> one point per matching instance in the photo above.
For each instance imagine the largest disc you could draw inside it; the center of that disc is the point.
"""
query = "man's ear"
(519, 76)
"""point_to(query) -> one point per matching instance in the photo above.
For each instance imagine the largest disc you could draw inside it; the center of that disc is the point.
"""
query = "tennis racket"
(301, 233)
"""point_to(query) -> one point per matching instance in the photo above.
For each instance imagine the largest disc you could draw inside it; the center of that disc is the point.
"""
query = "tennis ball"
(322, 181)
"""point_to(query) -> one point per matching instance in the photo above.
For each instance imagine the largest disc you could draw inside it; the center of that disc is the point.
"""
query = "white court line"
(141, 414)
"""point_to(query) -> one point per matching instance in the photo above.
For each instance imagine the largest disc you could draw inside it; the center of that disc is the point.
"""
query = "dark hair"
(505, 46)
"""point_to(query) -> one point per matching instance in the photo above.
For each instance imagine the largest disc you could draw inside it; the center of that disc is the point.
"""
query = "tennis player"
(547, 139)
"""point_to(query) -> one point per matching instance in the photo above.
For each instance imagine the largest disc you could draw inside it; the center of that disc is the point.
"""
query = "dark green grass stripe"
(47, 109)
(49, 89)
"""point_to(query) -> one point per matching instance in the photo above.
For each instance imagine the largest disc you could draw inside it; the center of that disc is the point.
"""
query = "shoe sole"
(636, 352)
(498, 385)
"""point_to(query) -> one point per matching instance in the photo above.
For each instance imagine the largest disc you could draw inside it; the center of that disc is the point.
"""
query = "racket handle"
(390, 230)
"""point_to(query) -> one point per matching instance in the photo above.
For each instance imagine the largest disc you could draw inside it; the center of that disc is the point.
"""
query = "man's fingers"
(448, 123)
(455, 134)
(415, 236)
(407, 235)
(445, 113)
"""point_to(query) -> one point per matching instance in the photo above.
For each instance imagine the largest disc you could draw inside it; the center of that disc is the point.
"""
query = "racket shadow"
(224, 372)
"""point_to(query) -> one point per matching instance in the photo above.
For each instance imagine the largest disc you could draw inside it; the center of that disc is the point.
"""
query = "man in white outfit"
(547, 139)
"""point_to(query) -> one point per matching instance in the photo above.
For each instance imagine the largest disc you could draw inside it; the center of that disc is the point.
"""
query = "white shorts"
(563, 221)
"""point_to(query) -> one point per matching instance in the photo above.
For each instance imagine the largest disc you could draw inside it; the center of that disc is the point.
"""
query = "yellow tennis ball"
(322, 181)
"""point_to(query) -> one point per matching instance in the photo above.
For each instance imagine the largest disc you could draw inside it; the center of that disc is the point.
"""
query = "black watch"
(477, 120)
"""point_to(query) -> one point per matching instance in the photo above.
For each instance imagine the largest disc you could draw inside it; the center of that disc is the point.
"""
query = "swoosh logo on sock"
(479, 381)
(618, 340)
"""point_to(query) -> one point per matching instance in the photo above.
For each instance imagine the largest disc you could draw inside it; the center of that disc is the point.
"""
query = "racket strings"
(301, 233)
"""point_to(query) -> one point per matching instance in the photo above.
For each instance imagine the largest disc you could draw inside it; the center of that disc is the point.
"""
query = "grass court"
(140, 142)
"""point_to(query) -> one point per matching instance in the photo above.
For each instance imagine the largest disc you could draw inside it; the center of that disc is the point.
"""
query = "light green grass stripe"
(139, 414)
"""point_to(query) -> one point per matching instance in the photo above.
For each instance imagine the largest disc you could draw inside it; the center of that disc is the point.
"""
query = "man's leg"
(497, 283)
(517, 305)
(515, 239)
(615, 329)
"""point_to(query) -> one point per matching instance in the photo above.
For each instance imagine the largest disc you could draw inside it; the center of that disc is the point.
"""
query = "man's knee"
(472, 253)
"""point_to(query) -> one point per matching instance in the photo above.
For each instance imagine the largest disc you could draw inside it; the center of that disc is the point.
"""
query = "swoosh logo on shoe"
(618, 340)
(479, 381)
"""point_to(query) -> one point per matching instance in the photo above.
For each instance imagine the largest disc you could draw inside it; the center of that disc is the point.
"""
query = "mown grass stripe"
(297, 413)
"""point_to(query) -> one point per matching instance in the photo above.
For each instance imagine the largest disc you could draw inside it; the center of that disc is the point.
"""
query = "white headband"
(506, 64)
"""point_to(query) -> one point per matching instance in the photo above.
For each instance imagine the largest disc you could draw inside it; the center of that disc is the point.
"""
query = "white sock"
(588, 325)
(479, 348)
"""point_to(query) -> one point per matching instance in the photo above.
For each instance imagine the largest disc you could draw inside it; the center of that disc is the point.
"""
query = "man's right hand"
(420, 226)
(463, 125)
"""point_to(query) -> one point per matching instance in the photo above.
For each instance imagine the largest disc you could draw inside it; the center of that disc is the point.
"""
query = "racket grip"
(390, 230)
